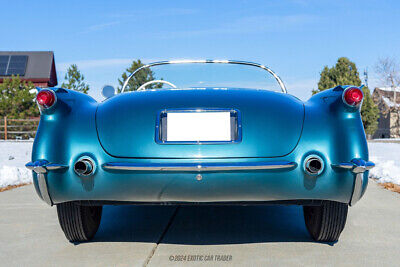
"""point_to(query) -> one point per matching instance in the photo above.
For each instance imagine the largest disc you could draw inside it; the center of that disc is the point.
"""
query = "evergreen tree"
(17, 99)
(369, 113)
(345, 73)
(138, 79)
(75, 80)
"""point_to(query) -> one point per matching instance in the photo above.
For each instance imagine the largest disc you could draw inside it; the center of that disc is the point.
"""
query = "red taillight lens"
(353, 96)
(46, 98)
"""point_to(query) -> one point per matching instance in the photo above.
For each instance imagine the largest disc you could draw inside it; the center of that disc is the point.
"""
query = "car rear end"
(248, 146)
(200, 146)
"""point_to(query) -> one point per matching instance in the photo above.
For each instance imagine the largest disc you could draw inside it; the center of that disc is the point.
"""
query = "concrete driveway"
(207, 235)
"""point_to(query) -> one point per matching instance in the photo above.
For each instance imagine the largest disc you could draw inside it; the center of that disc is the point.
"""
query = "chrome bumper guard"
(41, 167)
(358, 167)
(200, 167)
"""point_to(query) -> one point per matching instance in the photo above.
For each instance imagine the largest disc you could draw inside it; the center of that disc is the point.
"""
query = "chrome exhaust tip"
(313, 165)
(84, 166)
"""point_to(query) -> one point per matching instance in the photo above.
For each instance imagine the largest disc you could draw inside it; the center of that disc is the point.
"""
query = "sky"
(296, 38)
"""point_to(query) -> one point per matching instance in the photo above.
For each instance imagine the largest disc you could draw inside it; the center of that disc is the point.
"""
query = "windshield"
(201, 74)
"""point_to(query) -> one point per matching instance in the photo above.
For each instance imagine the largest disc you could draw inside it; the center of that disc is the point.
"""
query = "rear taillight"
(353, 96)
(46, 98)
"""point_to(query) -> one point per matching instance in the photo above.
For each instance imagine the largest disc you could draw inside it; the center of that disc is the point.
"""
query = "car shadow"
(202, 225)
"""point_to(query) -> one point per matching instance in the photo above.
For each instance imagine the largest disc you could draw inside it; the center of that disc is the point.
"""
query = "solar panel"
(3, 65)
(17, 65)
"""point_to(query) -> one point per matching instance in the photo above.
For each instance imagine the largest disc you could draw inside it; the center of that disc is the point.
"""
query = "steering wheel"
(143, 86)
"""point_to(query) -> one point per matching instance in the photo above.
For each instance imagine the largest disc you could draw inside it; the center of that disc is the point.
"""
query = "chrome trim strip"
(277, 78)
(41, 167)
(358, 167)
(344, 165)
(199, 167)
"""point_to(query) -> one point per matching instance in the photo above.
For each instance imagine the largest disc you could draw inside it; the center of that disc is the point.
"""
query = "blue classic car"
(200, 146)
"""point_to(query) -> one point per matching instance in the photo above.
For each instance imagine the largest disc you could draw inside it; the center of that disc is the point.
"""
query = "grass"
(391, 187)
(11, 187)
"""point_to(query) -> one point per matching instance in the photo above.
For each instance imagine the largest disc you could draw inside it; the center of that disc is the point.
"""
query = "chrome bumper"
(358, 167)
(41, 167)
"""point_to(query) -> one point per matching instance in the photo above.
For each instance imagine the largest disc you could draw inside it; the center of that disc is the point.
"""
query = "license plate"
(198, 126)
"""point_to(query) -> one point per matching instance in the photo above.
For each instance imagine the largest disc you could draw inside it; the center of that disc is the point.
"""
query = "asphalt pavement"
(198, 236)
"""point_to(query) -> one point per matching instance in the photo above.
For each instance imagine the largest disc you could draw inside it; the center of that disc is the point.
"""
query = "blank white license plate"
(198, 126)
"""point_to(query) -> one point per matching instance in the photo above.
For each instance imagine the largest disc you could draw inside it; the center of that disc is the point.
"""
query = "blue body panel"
(276, 127)
(126, 123)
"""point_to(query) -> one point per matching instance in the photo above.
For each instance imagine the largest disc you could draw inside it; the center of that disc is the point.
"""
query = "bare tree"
(388, 70)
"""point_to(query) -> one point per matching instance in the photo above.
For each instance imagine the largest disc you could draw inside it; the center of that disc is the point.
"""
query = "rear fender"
(72, 117)
(334, 130)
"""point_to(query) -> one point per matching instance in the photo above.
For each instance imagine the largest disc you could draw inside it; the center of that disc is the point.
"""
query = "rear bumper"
(159, 181)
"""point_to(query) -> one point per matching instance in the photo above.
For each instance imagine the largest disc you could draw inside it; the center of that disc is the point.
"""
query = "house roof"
(388, 89)
(389, 102)
(40, 66)
(385, 96)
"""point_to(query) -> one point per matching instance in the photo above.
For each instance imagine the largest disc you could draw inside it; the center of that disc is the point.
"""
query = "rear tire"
(79, 223)
(325, 223)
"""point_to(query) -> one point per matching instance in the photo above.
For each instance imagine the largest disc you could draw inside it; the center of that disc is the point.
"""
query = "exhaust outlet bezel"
(311, 170)
(90, 166)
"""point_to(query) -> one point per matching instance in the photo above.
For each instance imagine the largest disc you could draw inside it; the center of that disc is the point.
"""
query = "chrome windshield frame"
(207, 61)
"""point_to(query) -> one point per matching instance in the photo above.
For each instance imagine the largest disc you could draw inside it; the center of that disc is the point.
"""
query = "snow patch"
(387, 140)
(13, 157)
(10, 175)
(386, 157)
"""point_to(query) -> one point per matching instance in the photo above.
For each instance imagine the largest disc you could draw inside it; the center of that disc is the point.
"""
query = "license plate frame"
(162, 122)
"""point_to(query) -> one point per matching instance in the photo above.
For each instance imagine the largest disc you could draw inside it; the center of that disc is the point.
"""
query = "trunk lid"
(271, 123)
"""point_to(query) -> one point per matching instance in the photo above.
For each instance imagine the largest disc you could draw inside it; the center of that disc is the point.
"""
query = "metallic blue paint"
(276, 127)
(262, 114)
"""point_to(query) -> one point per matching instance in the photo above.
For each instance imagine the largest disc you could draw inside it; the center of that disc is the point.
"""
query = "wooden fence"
(18, 128)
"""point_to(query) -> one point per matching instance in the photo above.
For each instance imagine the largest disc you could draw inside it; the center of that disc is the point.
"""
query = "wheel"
(79, 223)
(325, 222)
